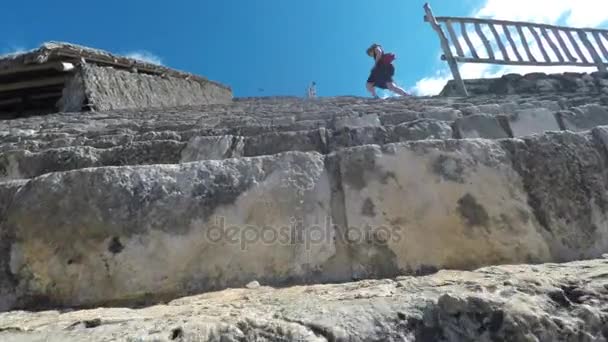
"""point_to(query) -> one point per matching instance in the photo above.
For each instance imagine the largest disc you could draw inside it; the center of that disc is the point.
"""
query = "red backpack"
(388, 58)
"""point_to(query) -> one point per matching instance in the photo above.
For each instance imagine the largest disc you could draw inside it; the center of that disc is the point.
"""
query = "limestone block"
(479, 126)
(107, 235)
(398, 118)
(492, 108)
(600, 134)
(421, 129)
(567, 184)
(541, 302)
(213, 147)
(108, 88)
(367, 120)
(444, 114)
(272, 143)
(358, 136)
(585, 117)
(532, 121)
(19, 164)
(7, 284)
(429, 205)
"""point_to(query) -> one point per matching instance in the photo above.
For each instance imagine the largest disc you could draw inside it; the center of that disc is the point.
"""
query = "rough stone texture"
(479, 126)
(445, 114)
(20, 164)
(76, 244)
(534, 83)
(370, 120)
(73, 96)
(7, 281)
(422, 129)
(107, 88)
(381, 211)
(114, 207)
(397, 118)
(439, 204)
(584, 118)
(213, 147)
(272, 143)
(532, 121)
(566, 178)
(545, 303)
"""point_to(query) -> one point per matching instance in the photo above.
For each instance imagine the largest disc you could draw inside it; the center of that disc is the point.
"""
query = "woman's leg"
(370, 87)
(393, 87)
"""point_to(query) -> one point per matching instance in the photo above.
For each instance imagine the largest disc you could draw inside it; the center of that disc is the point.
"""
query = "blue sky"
(259, 48)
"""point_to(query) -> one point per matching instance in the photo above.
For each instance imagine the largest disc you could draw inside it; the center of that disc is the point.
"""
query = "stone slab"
(566, 178)
(430, 205)
(420, 130)
(585, 118)
(532, 121)
(479, 126)
(108, 88)
(545, 302)
(444, 114)
(111, 235)
(367, 120)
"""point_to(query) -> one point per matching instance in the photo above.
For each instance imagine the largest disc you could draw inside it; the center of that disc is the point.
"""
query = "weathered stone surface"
(532, 121)
(398, 118)
(445, 114)
(369, 120)
(460, 204)
(73, 95)
(272, 143)
(565, 176)
(421, 129)
(24, 164)
(7, 281)
(107, 88)
(413, 208)
(479, 126)
(213, 147)
(534, 83)
(91, 236)
(437, 204)
(584, 118)
(551, 302)
(359, 136)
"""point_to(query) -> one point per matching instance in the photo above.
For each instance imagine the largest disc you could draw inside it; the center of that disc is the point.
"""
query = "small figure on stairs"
(311, 91)
(383, 71)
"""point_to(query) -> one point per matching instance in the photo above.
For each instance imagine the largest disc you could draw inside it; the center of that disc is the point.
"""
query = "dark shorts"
(381, 75)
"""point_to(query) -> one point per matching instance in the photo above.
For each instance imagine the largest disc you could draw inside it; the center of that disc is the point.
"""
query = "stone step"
(447, 303)
(32, 158)
(107, 130)
(107, 235)
(18, 164)
(520, 122)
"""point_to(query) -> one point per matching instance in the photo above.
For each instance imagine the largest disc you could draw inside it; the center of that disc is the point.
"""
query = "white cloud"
(578, 13)
(582, 13)
(145, 56)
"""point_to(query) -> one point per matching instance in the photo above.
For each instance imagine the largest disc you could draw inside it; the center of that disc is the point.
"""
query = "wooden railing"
(569, 46)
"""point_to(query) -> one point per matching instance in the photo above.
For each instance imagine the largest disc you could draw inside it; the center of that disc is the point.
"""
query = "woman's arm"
(378, 54)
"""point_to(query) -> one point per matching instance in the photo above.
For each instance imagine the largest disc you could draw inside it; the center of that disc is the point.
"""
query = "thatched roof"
(66, 52)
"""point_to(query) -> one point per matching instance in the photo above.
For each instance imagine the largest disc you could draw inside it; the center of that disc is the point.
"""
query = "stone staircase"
(138, 206)
(253, 127)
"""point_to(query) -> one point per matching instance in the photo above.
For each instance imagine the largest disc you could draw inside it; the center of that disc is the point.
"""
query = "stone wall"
(535, 83)
(107, 88)
(137, 233)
